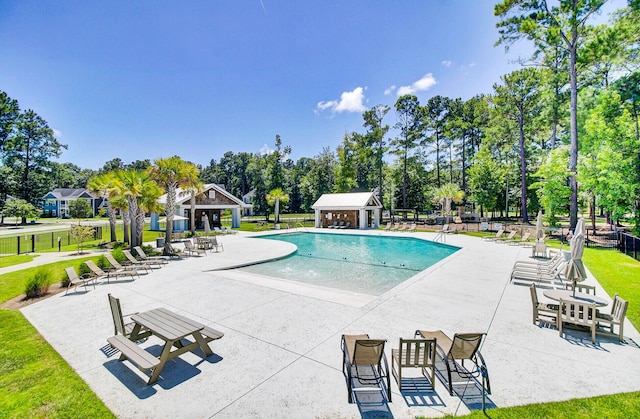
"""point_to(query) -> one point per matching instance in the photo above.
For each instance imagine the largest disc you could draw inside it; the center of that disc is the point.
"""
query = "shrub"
(38, 284)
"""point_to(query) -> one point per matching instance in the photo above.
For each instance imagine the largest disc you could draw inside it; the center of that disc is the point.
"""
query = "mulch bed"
(22, 301)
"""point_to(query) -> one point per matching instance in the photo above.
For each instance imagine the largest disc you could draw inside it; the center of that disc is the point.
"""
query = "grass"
(15, 260)
(36, 382)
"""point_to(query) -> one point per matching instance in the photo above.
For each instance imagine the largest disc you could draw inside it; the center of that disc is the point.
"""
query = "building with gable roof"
(56, 202)
(360, 210)
(211, 203)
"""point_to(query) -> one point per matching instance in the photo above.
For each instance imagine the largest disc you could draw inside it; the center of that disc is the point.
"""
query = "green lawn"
(36, 382)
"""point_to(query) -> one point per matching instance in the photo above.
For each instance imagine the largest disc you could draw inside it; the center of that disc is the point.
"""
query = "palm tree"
(447, 193)
(139, 190)
(274, 198)
(173, 173)
(193, 189)
(102, 185)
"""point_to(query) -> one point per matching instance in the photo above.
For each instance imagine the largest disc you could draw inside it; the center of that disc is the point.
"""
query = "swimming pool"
(352, 262)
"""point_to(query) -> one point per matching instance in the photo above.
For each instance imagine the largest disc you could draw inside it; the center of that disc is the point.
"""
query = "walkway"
(280, 356)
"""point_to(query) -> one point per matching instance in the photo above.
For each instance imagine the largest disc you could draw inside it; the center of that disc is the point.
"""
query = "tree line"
(560, 133)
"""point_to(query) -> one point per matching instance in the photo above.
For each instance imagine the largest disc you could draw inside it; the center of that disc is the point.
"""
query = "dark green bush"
(38, 284)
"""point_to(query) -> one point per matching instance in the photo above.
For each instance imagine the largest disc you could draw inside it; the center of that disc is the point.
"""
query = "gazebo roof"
(355, 200)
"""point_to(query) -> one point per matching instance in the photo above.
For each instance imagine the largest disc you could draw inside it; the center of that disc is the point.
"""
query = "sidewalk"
(50, 257)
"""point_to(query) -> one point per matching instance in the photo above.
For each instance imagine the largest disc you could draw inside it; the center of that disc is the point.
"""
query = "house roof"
(184, 196)
(355, 200)
(69, 193)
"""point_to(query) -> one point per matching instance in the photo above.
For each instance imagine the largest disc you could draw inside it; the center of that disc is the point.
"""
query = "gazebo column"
(235, 217)
(376, 217)
(318, 218)
(363, 219)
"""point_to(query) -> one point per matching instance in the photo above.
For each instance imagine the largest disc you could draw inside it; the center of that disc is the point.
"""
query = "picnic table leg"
(203, 345)
(164, 356)
(135, 332)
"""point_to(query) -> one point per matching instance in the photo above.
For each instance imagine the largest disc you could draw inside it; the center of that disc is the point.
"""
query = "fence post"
(18, 244)
(33, 243)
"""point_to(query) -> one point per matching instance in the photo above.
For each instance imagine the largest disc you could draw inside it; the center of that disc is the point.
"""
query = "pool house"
(357, 210)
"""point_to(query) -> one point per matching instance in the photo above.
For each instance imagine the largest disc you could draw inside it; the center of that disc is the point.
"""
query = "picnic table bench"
(137, 355)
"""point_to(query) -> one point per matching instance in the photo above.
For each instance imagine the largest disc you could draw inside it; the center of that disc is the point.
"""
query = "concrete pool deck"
(280, 356)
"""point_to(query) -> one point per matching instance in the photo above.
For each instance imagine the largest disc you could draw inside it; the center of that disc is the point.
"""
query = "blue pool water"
(358, 263)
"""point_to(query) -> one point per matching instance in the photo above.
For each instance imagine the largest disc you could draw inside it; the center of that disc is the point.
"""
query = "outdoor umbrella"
(539, 227)
(207, 227)
(575, 270)
(175, 218)
(580, 229)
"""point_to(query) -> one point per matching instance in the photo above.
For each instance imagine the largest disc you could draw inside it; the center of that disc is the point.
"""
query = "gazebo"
(360, 209)
(211, 203)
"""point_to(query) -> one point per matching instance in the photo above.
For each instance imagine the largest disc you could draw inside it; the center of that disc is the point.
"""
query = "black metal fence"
(629, 245)
(39, 242)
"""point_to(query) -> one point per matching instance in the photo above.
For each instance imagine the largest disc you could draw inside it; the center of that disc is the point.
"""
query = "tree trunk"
(523, 172)
(573, 160)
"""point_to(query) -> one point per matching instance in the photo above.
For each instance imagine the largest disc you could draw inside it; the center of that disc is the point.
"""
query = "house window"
(212, 194)
(63, 203)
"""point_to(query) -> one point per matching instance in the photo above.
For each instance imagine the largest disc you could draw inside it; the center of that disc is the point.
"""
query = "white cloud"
(446, 63)
(264, 150)
(390, 89)
(425, 83)
(56, 133)
(349, 102)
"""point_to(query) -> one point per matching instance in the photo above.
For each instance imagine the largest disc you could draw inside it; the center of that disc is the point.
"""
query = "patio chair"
(148, 259)
(618, 313)
(119, 268)
(463, 347)
(543, 312)
(216, 245)
(190, 249)
(364, 365)
(539, 249)
(579, 314)
(109, 274)
(135, 262)
(75, 280)
(584, 288)
(119, 326)
(414, 353)
(499, 234)
(203, 243)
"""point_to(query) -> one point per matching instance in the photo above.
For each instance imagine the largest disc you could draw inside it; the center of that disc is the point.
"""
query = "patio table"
(580, 297)
(172, 328)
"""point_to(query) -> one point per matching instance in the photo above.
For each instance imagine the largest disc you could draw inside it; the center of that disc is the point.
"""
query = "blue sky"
(150, 79)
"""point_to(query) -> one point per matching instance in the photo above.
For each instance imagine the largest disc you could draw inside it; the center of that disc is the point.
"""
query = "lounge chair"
(396, 227)
(508, 238)
(413, 227)
(333, 225)
(616, 317)
(120, 327)
(499, 234)
(135, 262)
(543, 312)
(170, 252)
(558, 256)
(579, 314)
(346, 225)
(149, 259)
(99, 273)
(414, 353)
(522, 241)
(364, 364)
(405, 227)
(463, 347)
(554, 275)
(190, 249)
(388, 227)
(118, 267)
(538, 268)
(75, 280)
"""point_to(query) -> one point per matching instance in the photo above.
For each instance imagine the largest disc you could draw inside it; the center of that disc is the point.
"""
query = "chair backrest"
(534, 295)
(465, 345)
(512, 234)
(416, 352)
(619, 308)
(116, 313)
(71, 273)
(112, 260)
(94, 268)
(140, 252)
(525, 236)
(368, 351)
(188, 244)
(129, 256)
(499, 233)
(577, 313)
